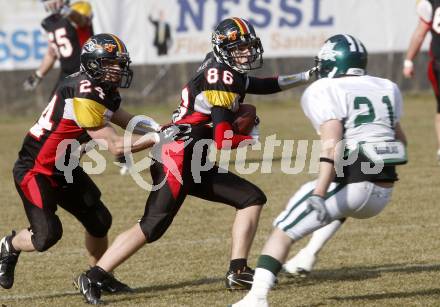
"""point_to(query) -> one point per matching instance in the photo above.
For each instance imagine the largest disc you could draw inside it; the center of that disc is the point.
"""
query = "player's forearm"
(225, 138)
(47, 63)
(117, 146)
(265, 86)
(291, 81)
(326, 176)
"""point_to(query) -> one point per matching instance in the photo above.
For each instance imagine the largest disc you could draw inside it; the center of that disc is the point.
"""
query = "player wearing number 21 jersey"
(353, 113)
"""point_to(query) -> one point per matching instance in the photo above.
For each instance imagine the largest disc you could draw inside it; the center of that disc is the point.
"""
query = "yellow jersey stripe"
(220, 98)
(89, 113)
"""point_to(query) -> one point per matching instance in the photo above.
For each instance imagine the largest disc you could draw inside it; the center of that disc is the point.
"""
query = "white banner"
(172, 31)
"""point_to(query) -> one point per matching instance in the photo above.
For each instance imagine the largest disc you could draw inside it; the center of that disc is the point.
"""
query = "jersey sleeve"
(424, 10)
(94, 108)
(221, 87)
(320, 104)
(262, 86)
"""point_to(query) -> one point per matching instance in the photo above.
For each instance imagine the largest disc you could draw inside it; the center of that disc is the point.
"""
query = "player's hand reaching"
(408, 69)
(32, 81)
(310, 73)
(170, 133)
(317, 203)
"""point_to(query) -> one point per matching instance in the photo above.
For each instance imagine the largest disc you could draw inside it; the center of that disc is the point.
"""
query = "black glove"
(171, 133)
(32, 81)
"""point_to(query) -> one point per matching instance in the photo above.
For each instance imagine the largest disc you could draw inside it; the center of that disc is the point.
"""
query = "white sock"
(321, 236)
(263, 282)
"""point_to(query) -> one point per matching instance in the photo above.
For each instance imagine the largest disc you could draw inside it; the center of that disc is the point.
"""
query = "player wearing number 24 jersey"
(46, 173)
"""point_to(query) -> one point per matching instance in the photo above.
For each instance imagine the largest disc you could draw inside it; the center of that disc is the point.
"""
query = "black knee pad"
(46, 236)
(98, 220)
(155, 226)
(256, 198)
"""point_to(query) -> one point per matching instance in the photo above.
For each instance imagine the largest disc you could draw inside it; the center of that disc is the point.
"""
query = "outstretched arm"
(107, 134)
(264, 86)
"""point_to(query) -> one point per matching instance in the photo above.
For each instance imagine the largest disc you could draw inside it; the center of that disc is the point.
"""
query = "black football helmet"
(342, 55)
(98, 53)
(235, 43)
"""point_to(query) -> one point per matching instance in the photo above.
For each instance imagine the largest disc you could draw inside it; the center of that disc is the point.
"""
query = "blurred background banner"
(175, 31)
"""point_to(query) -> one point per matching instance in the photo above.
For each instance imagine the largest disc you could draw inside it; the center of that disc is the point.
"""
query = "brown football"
(244, 119)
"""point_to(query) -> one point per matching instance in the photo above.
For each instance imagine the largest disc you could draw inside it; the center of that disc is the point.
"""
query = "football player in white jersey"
(356, 115)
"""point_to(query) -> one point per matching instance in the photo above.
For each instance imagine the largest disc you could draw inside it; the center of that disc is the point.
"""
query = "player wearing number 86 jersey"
(209, 101)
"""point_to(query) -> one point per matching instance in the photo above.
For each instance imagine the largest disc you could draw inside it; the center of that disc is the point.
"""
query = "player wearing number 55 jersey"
(209, 101)
(67, 28)
(45, 173)
(352, 112)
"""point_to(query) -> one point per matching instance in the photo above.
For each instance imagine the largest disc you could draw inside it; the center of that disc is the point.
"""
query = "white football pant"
(358, 200)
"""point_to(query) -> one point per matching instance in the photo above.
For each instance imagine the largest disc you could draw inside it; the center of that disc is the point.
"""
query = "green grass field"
(390, 260)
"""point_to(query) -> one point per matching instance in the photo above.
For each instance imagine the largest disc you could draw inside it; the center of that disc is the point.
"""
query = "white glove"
(317, 203)
(255, 132)
(310, 73)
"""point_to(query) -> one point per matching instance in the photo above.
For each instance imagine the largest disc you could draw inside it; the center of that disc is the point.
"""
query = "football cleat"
(8, 260)
(300, 265)
(240, 280)
(251, 301)
(111, 285)
(89, 290)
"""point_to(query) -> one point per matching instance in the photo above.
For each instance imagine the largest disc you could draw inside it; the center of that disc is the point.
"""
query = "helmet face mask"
(341, 55)
(54, 6)
(105, 59)
(235, 43)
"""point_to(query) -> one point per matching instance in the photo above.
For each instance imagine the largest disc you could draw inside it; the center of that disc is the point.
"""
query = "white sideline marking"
(37, 295)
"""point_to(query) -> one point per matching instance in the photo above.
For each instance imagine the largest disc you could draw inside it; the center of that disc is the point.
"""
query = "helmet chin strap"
(332, 73)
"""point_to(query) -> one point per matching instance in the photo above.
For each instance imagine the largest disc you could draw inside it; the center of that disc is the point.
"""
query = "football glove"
(171, 133)
(255, 132)
(32, 81)
(310, 73)
(317, 203)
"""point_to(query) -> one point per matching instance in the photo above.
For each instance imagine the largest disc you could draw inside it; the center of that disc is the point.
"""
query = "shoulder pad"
(424, 10)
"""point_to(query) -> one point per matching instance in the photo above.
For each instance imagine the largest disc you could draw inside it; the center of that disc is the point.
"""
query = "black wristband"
(323, 159)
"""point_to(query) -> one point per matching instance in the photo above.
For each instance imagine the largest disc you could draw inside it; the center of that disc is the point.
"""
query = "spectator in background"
(426, 9)
(162, 34)
(67, 28)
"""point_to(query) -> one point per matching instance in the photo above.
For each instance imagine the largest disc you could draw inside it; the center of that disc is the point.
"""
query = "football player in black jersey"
(209, 101)
(428, 11)
(67, 28)
(87, 101)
